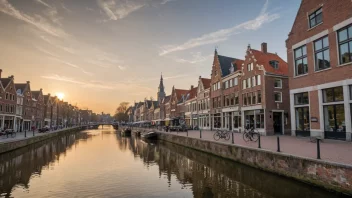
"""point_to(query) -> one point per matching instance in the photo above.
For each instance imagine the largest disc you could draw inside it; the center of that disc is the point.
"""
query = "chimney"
(28, 82)
(264, 48)
(11, 76)
(192, 86)
(0, 72)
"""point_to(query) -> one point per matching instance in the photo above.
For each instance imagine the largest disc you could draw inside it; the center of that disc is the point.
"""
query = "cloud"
(74, 66)
(43, 3)
(196, 58)
(119, 9)
(37, 21)
(223, 34)
(120, 86)
(166, 1)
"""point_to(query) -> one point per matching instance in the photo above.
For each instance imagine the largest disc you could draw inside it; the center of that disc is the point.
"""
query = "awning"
(168, 119)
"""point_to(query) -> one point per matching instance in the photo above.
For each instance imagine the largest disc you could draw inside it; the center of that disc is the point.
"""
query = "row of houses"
(22, 108)
(310, 94)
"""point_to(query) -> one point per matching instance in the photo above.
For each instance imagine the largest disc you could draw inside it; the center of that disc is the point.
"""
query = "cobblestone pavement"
(21, 135)
(330, 150)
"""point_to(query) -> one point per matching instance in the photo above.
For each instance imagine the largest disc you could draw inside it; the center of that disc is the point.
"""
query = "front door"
(277, 118)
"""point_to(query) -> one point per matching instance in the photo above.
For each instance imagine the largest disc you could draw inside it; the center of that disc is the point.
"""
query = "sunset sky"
(102, 52)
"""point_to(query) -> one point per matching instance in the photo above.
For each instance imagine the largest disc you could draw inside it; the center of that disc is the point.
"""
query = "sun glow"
(60, 95)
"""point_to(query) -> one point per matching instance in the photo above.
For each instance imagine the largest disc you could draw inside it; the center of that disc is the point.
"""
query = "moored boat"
(149, 135)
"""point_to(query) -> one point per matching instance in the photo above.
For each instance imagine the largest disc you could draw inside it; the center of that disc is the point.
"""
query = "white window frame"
(252, 66)
(280, 83)
(253, 81)
(236, 81)
(259, 82)
(244, 84)
(275, 92)
(231, 83)
(226, 84)
(249, 82)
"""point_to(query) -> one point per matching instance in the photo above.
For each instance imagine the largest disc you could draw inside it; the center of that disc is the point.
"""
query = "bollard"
(33, 132)
(25, 133)
(318, 149)
(200, 133)
(232, 139)
(259, 144)
(278, 144)
(187, 133)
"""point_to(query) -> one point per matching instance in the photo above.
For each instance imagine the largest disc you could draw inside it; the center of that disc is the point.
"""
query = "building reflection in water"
(211, 176)
(19, 166)
(204, 175)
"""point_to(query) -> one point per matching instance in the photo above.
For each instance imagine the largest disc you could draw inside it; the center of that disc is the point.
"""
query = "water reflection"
(19, 166)
(130, 167)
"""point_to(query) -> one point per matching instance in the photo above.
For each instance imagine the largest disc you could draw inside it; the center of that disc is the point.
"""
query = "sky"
(103, 52)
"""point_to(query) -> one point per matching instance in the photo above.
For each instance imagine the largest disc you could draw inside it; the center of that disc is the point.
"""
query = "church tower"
(161, 90)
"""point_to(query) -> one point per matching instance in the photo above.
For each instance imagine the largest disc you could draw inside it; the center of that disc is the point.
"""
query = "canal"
(101, 163)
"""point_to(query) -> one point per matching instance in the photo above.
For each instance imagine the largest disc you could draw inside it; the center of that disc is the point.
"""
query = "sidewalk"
(330, 150)
(20, 135)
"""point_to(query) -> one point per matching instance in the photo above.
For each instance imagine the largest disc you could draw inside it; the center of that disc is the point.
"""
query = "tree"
(122, 108)
(121, 112)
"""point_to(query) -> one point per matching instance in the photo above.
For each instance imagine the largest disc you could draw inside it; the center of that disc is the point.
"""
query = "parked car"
(44, 129)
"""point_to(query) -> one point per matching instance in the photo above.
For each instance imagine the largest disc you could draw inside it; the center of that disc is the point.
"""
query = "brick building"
(27, 109)
(8, 102)
(319, 52)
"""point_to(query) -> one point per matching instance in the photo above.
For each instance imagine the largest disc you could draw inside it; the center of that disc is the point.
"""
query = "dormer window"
(315, 18)
(274, 64)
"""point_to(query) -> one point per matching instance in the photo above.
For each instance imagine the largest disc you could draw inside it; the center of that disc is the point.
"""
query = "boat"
(149, 135)
(115, 126)
(126, 132)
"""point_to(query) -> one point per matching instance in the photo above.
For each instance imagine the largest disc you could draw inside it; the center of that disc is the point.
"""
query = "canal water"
(101, 163)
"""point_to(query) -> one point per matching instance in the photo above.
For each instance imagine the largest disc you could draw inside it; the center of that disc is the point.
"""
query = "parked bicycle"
(219, 134)
(251, 134)
(8, 133)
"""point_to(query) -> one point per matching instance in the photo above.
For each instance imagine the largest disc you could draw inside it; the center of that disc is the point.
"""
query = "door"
(277, 118)
(230, 121)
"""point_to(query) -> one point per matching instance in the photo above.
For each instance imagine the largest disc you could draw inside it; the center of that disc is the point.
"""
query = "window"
(249, 98)
(259, 119)
(259, 94)
(7, 96)
(278, 96)
(334, 94)
(274, 64)
(302, 119)
(226, 84)
(219, 86)
(236, 120)
(253, 81)
(322, 56)
(249, 82)
(316, 18)
(244, 97)
(334, 118)
(231, 83)
(278, 83)
(248, 67)
(244, 84)
(254, 98)
(345, 44)
(236, 100)
(301, 66)
(235, 81)
(258, 80)
(301, 98)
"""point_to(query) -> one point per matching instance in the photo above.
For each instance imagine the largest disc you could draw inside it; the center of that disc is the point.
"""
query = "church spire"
(161, 90)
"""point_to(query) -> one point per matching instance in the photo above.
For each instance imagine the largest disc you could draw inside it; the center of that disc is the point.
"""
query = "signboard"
(314, 119)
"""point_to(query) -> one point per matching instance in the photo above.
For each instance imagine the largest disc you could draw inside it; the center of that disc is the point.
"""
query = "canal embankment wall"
(329, 175)
(19, 143)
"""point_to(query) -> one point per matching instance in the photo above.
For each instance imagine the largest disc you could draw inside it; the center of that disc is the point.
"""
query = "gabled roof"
(180, 93)
(225, 64)
(20, 87)
(206, 82)
(155, 104)
(35, 94)
(166, 99)
(192, 93)
(264, 59)
(237, 64)
(5, 81)
(46, 98)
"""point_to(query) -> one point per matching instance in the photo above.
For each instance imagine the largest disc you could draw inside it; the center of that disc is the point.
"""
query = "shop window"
(236, 121)
(316, 18)
(259, 94)
(322, 56)
(278, 83)
(249, 119)
(301, 66)
(301, 98)
(334, 94)
(259, 119)
(278, 96)
(334, 118)
(345, 44)
(302, 119)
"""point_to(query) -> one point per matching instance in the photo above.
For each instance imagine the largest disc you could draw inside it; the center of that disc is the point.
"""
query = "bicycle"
(251, 135)
(221, 135)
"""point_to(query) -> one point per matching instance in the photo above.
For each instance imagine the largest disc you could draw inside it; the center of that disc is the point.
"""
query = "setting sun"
(60, 95)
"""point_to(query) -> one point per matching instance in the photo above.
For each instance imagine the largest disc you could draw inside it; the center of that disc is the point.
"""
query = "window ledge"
(317, 71)
(301, 75)
(277, 87)
(345, 64)
(314, 27)
(278, 101)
